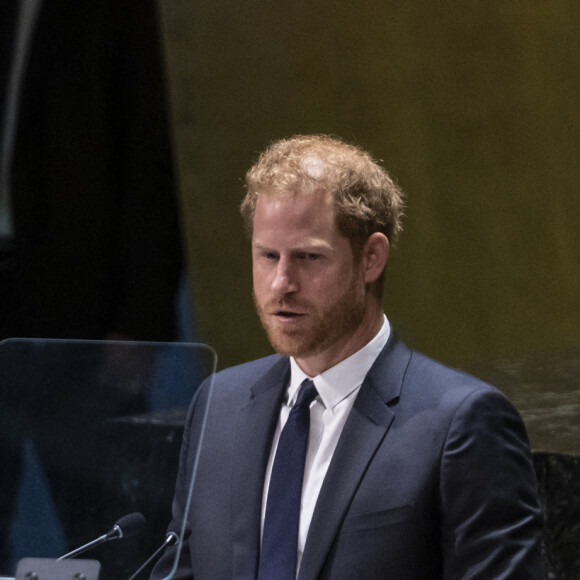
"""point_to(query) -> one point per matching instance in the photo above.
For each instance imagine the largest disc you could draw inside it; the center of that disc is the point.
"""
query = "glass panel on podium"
(91, 431)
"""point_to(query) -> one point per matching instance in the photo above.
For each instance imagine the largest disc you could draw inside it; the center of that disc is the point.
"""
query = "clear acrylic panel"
(91, 431)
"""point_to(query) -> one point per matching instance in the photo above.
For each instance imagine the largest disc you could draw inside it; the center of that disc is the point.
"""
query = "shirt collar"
(339, 381)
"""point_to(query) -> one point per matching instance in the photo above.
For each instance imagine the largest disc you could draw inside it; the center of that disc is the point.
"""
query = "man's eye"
(270, 256)
(309, 256)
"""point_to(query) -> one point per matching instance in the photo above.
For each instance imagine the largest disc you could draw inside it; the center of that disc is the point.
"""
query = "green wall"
(473, 106)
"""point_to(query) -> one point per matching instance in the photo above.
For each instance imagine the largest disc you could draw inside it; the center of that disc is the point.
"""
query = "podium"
(105, 422)
(49, 569)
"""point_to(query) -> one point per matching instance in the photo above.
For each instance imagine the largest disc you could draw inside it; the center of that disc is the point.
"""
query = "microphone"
(170, 539)
(125, 527)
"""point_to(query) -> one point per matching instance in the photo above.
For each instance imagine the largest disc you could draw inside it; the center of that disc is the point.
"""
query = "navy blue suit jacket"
(432, 478)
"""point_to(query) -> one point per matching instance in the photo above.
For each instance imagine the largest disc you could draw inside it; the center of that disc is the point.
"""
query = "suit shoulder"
(445, 376)
(432, 384)
(447, 398)
(249, 372)
(414, 382)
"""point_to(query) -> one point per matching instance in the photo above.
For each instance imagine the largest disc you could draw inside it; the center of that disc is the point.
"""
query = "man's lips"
(285, 314)
(288, 314)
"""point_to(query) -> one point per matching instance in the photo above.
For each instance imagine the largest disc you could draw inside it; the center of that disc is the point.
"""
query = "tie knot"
(307, 394)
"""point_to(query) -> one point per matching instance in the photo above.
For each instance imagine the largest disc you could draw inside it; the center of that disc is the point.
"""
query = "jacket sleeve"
(491, 516)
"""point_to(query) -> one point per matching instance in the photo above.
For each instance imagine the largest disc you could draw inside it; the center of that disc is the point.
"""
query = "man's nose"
(285, 279)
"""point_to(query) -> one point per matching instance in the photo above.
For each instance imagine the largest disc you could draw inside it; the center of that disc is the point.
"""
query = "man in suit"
(412, 470)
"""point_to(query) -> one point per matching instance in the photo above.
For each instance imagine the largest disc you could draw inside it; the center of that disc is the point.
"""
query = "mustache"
(285, 304)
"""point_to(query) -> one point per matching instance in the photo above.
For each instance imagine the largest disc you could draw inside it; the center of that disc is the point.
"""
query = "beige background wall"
(473, 106)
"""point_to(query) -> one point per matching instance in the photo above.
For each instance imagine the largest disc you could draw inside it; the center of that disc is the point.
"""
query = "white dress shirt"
(337, 390)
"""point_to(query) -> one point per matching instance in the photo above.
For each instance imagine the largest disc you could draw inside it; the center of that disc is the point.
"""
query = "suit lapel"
(365, 429)
(256, 424)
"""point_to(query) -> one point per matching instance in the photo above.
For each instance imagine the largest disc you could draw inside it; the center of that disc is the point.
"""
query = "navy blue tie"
(279, 551)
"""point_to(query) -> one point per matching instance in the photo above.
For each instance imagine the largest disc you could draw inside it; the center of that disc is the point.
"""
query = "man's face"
(308, 287)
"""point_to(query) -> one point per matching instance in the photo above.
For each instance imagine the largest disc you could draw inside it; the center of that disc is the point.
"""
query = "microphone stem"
(86, 547)
(172, 538)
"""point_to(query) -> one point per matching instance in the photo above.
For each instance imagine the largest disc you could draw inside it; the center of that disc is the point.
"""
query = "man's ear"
(375, 256)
